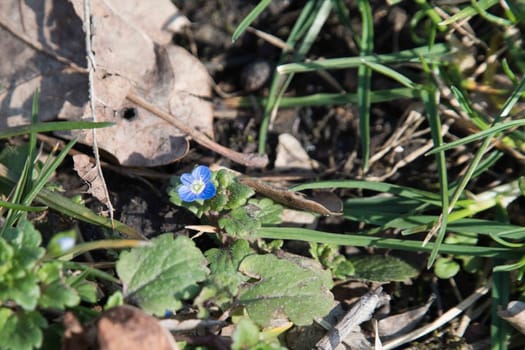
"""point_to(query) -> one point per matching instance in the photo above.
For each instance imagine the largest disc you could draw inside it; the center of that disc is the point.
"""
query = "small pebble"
(255, 75)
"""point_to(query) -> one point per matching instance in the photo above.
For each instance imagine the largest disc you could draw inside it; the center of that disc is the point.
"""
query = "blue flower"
(196, 185)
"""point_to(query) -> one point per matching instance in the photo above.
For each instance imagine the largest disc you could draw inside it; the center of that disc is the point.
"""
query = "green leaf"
(21, 330)
(58, 295)
(6, 259)
(19, 253)
(225, 278)
(239, 194)
(446, 268)
(285, 289)
(245, 221)
(241, 222)
(55, 292)
(330, 257)
(246, 335)
(380, 268)
(114, 300)
(50, 272)
(87, 291)
(26, 240)
(159, 276)
(23, 290)
(269, 213)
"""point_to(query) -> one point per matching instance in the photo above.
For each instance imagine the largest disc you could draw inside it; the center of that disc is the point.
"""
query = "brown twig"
(91, 66)
(246, 159)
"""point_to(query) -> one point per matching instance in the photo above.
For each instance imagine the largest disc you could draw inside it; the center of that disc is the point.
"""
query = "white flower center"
(197, 186)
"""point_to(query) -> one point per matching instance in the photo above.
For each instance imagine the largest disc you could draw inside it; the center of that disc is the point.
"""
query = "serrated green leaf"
(270, 213)
(87, 291)
(246, 220)
(49, 272)
(227, 261)
(22, 289)
(25, 240)
(21, 330)
(446, 268)
(159, 276)
(6, 258)
(344, 269)
(225, 278)
(19, 253)
(239, 194)
(380, 268)
(284, 289)
(241, 222)
(58, 295)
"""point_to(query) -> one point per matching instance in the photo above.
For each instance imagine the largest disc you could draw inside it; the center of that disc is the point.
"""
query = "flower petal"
(208, 191)
(202, 172)
(186, 194)
(187, 179)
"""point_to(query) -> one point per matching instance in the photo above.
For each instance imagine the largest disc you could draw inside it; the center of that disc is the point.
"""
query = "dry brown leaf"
(291, 154)
(86, 170)
(128, 57)
(402, 323)
(120, 328)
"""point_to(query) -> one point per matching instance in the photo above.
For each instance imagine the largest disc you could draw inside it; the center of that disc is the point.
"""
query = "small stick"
(90, 58)
(249, 160)
(362, 311)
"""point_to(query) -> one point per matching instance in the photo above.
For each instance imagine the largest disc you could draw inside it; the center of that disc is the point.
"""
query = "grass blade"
(469, 11)
(488, 133)
(364, 77)
(245, 23)
(437, 51)
(362, 240)
(50, 126)
(429, 98)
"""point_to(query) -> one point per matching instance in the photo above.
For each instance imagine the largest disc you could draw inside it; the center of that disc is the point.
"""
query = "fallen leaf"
(292, 199)
(44, 49)
(128, 328)
(120, 328)
(291, 154)
(402, 323)
(86, 170)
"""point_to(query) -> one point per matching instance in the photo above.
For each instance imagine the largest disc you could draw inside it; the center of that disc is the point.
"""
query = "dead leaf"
(44, 49)
(515, 315)
(86, 170)
(120, 328)
(295, 200)
(402, 323)
(291, 154)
